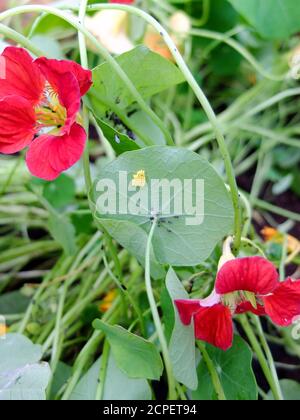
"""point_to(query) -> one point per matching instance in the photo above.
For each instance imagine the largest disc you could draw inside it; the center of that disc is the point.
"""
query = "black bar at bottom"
(132, 409)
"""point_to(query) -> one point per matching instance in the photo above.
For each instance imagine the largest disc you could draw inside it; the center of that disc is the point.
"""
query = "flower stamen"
(50, 112)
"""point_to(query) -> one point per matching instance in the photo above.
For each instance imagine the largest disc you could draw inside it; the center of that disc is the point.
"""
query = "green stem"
(85, 112)
(81, 37)
(254, 245)
(248, 210)
(56, 341)
(260, 355)
(181, 392)
(59, 268)
(182, 65)
(272, 101)
(11, 174)
(283, 258)
(264, 205)
(231, 112)
(268, 134)
(125, 291)
(205, 14)
(203, 101)
(86, 154)
(87, 352)
(20, 39)
(240, 49)
(32, 250)
(156, 318)
(103, 371)
(268, 354)
(100, 287)
(213, 372)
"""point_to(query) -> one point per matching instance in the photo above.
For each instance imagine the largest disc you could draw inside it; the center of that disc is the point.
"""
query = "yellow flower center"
(139, 179)
(50, 112)
(233, 300)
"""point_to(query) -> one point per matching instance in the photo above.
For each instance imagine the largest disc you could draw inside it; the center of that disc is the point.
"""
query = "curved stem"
(104, 53)
(81, 37)
(205, 14)
(103, 371)
(266, 133)
(264, 205)
(234, 110)
(283, 258)
(213, 372)
(272, 101)
(156, 318)
(20, 39)
(55, 354)
(185, 70)
(248, 210)
(267, 350)
(254, 245)
(124, 290)
(203, 101)
(260, 355)
(240, 49)
(88, 350)
(84, 63)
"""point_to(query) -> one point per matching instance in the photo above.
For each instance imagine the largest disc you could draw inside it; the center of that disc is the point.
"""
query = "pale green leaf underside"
(22, 375)
(182, 343)
(174, 242)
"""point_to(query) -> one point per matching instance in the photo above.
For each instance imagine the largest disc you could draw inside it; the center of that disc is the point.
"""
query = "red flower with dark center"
(243, 285)
(40, 104)
(255, 283)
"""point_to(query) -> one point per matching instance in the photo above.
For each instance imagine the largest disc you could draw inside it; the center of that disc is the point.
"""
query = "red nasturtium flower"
(39, 108)
(242, 285)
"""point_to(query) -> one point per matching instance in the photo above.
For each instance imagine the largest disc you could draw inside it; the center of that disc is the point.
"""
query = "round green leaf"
(273, 19)
(290, 390)
(179, 239)
(22, 375)
(117, 385)
(234, 368)
(135, 356)
(150, 73)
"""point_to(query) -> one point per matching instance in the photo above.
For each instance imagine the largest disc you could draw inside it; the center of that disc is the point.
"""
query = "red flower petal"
(83, 76)
(22, 76)
(187, 308)
(283, 306)
(215, 326)
(66, 87)
(247, 307)
(252, 274)
(48, 156)
(17, 124)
